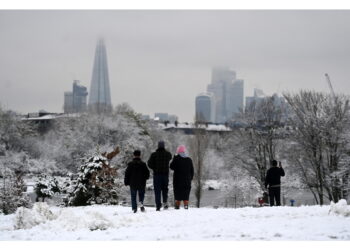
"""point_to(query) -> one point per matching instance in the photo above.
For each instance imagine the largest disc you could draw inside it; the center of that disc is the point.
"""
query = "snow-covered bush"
(97, 221)
(340, 208)
(46, 187)
(95, 183)
(12, 190)
(27, 218)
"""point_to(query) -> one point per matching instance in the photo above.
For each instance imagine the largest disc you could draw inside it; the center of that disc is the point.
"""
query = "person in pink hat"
(183, 174)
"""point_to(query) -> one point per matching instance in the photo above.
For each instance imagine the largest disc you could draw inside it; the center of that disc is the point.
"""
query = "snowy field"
(118, 223)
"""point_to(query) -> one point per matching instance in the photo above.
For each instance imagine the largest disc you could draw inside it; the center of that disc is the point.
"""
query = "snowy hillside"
(119, 223)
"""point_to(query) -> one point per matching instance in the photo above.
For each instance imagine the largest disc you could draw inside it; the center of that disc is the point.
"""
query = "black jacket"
(273, 176)
(183, 171)
(136, 174)
(159, 161)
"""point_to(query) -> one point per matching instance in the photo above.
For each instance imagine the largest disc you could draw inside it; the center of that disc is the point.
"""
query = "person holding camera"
(273, 182)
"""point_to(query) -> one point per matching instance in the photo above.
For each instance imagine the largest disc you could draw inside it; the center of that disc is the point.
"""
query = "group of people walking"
(160, 161)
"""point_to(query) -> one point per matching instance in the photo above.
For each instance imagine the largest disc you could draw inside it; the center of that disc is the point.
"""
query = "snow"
(340, 208)
(101, 222)
(210, 127)
(216, 184)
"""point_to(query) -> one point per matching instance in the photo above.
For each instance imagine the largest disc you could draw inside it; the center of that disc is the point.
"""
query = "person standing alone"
(159, 163)
(273, 182)
(136, 175)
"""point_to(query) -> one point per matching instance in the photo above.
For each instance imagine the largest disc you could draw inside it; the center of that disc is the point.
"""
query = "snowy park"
(118, 223)
(242, 117)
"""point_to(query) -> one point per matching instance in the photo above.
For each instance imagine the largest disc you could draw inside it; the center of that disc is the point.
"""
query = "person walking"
(183, 174)
(159, 163)
(136, 175)
(273, 182)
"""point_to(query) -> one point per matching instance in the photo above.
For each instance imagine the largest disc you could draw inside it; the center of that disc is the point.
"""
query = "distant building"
(205, 108)
(145, 117)
(228, 93)
(237, 98)
(161, 116)
(100, 96)
(75, 101)
(68, 102)
(258, 95)
(278, 101)
(172, 118)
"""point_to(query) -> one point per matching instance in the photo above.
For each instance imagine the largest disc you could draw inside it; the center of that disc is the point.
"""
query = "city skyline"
(160, 60)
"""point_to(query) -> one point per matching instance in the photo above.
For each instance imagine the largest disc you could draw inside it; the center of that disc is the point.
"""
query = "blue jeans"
(160, 183)
(133, 197)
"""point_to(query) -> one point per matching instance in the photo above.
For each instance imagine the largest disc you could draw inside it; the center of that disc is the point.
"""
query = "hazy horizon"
(159, 60)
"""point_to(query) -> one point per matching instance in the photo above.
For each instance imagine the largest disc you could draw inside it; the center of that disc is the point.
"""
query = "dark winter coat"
(183, 175)
(159, 161)
(136, 174)
(273, 177)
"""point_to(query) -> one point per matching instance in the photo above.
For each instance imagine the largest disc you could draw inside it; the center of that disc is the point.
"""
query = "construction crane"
(330, 86)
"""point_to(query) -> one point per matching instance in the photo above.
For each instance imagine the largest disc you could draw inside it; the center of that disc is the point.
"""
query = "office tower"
(75, 101)
(68, 102)
(228, 93)
(162, 116)
(237, 97)
(205, 108)
(100, 96)
(258, 96)
(221, 82)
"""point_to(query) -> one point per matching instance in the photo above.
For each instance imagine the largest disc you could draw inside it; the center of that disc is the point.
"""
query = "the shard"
(100, 95)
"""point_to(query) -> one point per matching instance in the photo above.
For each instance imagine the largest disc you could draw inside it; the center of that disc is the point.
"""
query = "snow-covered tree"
(12, 188)
(198, 149)
(14, 132)
(46, 187)
(321, 148)
(96, 182)
(257, 144)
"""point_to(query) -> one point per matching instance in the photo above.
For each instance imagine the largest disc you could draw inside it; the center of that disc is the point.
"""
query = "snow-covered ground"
(119, 223)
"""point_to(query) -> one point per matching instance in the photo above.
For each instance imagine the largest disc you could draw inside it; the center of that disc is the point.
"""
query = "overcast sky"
(160, 60)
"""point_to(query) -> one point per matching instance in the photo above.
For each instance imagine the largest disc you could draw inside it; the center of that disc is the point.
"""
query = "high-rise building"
(237, 97)
(100, 96)
(161, 116)
(258, 96)
(205, 108)
(75, 101)
(228, 93)
(165, 117)
(68, 102)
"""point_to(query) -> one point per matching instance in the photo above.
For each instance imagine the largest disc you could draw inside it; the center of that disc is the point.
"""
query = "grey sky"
(160, 60)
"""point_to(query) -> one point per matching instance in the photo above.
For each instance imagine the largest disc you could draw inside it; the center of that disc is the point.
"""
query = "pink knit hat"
(180, 149)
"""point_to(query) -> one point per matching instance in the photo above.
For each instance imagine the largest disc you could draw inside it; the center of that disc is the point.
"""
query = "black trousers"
(160, 184)
(275, 195)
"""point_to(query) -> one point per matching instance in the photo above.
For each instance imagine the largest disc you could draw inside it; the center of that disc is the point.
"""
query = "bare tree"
(322, 123)
(198, 148)
(256, 144)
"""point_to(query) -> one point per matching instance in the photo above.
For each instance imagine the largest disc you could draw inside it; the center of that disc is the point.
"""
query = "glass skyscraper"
(75, 102)
(205, 109)
(228, 93)
(100, 96)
